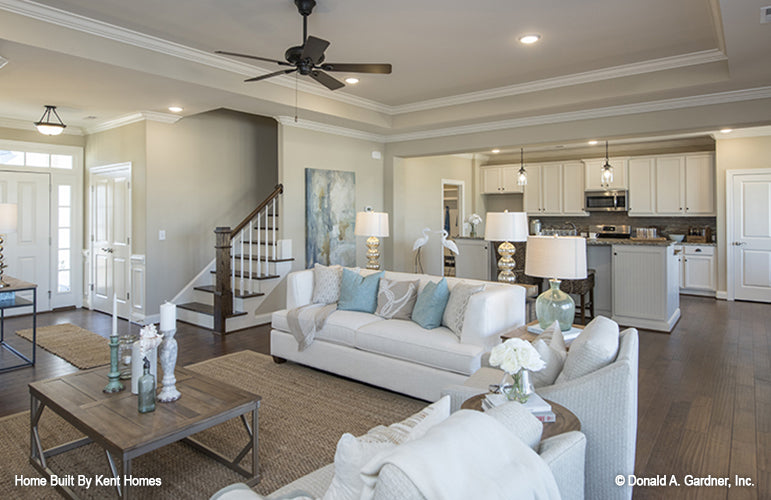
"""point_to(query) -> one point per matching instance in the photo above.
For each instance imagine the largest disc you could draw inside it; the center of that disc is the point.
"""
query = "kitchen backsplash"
(664, 225)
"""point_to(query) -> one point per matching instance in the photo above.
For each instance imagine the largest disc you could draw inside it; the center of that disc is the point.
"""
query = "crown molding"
(609, 111)
(662, 64)
(128, 119)
(30, 127)
(289, 121)
(123, 35)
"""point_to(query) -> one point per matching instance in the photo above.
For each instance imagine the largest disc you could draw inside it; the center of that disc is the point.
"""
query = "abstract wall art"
(330, 198)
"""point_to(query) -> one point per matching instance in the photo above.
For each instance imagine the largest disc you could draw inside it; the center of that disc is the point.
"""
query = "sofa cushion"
(357, 292)
(430, 305)
(551, 347)
(340, 327)
(455, 311)
(396, 299)
(326, 283)
(594, 348)
(437, 348)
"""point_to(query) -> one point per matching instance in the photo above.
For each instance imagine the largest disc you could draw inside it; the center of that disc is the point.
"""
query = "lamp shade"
(9, 214)
(560, 257)
(506, 226)
(371, 224)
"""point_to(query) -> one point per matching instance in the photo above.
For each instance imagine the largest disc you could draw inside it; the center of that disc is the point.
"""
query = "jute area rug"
(303, 414)
(75, 345)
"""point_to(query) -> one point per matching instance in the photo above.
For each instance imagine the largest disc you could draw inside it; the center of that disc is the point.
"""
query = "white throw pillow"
(352, 452)
(455, 312)
(594, 348)
(551, 347)
(326, 284)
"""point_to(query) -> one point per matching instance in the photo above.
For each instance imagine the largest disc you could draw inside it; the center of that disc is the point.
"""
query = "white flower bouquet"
(473, 219)
(515, 357)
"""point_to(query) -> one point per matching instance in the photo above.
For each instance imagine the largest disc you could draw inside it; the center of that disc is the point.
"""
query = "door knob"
(107, 250)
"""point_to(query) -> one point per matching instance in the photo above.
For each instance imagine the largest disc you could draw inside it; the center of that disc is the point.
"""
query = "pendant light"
(522, 175)
(607, 169)
(48, 127)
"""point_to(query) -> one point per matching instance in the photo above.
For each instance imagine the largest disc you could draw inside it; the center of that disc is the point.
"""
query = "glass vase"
(520, 389)
(125, 343)
(555, 305)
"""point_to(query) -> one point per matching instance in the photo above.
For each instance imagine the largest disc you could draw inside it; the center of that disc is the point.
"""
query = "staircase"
(250, 262)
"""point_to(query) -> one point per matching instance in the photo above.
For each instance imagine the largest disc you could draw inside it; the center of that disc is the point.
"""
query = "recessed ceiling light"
(593, 142)
(175, 109)
(352, 80)
(726, 130)
(496, 151)
(528, 39)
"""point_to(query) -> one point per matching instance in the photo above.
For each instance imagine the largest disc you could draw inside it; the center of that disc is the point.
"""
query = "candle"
(168, 317)
(114, 314)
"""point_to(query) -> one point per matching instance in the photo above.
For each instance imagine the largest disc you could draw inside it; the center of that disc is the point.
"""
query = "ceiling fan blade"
(326, 80)
(283, 63)
(384, 69)
(269, 75)
(314, 49)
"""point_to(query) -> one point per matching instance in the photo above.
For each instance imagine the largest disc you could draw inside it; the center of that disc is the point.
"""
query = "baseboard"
(722, 295)
(649, 324)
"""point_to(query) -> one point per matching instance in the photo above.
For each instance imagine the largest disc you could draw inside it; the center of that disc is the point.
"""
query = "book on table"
(535, 403)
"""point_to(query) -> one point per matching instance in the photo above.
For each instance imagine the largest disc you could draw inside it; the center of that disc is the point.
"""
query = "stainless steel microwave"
(606, 201)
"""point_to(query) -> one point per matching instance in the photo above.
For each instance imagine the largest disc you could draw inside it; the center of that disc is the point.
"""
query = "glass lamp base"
(555, 305)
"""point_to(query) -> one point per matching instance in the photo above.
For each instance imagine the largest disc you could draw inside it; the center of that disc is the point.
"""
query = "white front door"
(111, 239)
(27, 252)
(751, 237)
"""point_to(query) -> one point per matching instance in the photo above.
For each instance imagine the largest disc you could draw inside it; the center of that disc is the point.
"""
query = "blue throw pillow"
(430, 305)
(359, 293)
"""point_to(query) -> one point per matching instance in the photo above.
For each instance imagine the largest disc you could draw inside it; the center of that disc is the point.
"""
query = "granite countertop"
(694, 244)
(621, 241)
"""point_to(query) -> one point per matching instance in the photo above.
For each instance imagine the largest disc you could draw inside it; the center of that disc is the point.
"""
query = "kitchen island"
(636, 282)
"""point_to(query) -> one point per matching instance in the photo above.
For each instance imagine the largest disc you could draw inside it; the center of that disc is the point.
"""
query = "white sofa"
(398, 354)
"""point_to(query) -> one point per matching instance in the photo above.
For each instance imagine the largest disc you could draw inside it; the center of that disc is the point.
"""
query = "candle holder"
(168, 356)
(114, 385)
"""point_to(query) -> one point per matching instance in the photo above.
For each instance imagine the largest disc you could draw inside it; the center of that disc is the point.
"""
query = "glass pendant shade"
(47, 126)
(555, 305)
(607, 173)
(522, 177)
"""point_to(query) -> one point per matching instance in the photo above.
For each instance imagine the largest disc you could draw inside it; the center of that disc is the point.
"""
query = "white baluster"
(243, 267)
(233, 269)
(259, 247)
(274, 228)
(251, 262)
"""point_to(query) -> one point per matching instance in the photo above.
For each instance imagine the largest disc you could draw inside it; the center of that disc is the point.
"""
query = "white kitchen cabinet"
(680, 253)
(593, 175)
(699, 268)
(500, 179)
(699, 185)
(473, 259)
(670, 180)
(532, 198)
(642, 186)
(554, 189)
(572, 188)
(551, 189)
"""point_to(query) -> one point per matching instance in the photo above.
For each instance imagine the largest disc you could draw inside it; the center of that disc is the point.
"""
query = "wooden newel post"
(223, 294)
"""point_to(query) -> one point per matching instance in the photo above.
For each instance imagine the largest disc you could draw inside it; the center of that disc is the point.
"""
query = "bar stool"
(582, 288)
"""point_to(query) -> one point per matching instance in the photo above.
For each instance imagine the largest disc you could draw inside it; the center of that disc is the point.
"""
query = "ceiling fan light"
(529, 39)
(351, 80)
(47, 126)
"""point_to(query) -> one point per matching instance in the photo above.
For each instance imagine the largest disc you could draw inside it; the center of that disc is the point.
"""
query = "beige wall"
(204, 171)
(734, 154)
(32, 135)
(301, 149)
(418, 204)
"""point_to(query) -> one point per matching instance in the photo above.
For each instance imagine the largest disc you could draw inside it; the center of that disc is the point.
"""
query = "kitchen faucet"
(575, 229)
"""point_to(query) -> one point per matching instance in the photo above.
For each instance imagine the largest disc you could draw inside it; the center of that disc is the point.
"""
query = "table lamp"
(374, 225)
(556, 258)
(506, 227)
(9, 214)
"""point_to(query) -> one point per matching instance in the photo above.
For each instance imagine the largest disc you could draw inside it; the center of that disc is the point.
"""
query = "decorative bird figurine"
(418, 245)
(449, 244)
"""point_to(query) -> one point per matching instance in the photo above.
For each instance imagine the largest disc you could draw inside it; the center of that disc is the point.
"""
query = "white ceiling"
(455, 62)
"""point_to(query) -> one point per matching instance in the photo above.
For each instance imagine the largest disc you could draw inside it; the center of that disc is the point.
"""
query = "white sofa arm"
(299, 288)
(497, 309)
(565, 455)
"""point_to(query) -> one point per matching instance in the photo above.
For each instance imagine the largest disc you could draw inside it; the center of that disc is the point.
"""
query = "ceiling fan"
(308, 58)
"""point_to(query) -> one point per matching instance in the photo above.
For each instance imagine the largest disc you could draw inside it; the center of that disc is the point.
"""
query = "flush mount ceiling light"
(176, 109)
(607, 169)
(529, 39)
(593, 142)
(726, 130)
(352, 80)
(522, 175)
(495, 151)
(48, 127)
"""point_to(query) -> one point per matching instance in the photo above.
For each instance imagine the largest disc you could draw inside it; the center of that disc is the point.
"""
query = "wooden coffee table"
(113, 421)
(565, 420)
(522, 333)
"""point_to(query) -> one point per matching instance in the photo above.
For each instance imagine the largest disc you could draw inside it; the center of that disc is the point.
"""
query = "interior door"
(111, 240)
(27, 252)
(751, 238)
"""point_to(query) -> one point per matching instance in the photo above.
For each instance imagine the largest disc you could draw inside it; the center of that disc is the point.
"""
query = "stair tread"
(262, 258)
(206, 309)
(239, 293)
(254, 276)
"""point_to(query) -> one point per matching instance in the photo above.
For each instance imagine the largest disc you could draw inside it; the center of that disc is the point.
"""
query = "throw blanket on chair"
(469, 455)
(305, 321)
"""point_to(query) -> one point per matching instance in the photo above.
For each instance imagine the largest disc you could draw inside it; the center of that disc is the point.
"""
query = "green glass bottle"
(146, 389)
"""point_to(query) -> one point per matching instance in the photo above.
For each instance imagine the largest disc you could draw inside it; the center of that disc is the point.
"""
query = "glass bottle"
(146, 397)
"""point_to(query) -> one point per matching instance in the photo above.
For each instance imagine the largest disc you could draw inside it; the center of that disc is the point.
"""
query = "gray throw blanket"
(305, 321)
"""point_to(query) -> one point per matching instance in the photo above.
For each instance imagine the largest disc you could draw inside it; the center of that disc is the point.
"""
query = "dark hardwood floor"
(704, 390)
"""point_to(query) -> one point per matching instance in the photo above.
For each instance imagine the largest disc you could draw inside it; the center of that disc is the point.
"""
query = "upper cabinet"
(555, 189)
(593, 173)
(500, 179)
(672, 185)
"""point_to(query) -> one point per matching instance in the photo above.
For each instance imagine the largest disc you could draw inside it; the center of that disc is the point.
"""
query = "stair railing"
(227, 241)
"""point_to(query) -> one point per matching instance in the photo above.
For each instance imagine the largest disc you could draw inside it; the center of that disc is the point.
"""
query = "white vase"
(137, 366)
(168, 356)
